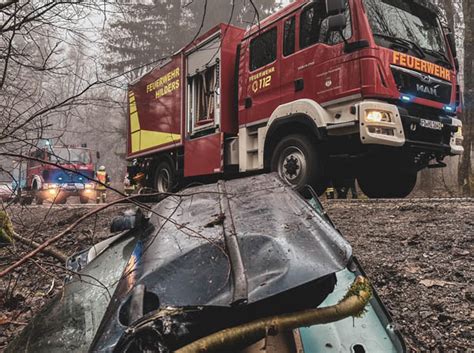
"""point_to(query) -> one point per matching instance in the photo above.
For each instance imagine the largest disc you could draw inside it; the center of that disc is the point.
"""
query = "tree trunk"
(465, 168)
(449, 9)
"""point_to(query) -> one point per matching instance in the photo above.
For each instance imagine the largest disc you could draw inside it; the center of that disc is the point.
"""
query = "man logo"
(433, 91)
(426, 78)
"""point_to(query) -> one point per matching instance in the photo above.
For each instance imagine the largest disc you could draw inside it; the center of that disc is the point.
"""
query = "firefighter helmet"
(102, 168)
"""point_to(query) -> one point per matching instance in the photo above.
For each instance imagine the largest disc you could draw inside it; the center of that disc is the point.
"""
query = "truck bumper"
(63, 192)
(390, 125)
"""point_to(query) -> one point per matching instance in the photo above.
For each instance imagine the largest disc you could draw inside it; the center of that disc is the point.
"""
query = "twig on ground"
(50, 250)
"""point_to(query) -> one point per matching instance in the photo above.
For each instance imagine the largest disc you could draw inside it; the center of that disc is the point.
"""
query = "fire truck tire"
(25, 201)
(39, 200)
(388, 184)
(164, 177)
(83, 199)
(61, 201)
(297, 161)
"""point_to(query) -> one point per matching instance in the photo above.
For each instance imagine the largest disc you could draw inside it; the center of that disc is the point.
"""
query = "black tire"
(83, 200)
(164, 178)
(60, 200)
(297, 161)
(39, 200)
(26, 201)
(388, 184)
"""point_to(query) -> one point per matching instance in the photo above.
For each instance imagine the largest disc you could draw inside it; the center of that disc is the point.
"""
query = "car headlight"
(378, 116)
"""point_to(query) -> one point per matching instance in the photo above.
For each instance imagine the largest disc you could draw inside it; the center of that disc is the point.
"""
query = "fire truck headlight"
(378, 116)
(458, 138)
(89, 186)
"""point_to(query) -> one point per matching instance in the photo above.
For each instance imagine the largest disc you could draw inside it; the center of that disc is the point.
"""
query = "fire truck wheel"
(61, 201)
(164, 177)
(298, 162)
(83, 199)
(389, 184)
(26, 201)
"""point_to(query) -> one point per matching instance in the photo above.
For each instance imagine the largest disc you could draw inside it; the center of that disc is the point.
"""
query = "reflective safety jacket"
(103, 178)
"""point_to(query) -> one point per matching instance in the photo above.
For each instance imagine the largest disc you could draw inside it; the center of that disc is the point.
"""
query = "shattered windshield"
(72, 155)
(69, 322)
(405, 20)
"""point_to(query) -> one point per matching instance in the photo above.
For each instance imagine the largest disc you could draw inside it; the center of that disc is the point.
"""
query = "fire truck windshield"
(65, 155)
(408, 22)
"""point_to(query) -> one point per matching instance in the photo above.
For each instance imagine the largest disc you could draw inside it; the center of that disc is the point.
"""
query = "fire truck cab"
(320, 90)
(70, 174)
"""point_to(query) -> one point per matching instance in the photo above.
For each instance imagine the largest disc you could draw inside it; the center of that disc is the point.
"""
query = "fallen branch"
(50, 250)
(229, 339)
(60, 235)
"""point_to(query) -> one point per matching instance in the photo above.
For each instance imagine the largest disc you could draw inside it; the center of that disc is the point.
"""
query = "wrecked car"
(239, 266)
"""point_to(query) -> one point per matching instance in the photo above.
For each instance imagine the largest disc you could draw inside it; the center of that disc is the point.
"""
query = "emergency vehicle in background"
(71, 175)
(317, 91)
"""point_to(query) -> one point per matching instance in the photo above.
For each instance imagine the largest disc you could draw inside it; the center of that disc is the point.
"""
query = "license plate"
(430, 124)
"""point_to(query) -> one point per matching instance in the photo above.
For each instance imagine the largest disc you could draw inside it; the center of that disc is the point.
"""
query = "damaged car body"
(213, 258)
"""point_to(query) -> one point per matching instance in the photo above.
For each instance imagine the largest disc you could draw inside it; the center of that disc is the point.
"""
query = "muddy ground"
(418, 255)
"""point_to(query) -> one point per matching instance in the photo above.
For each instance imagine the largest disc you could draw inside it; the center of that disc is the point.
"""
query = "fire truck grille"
(427, 135)
(422, 85)
(414, 131)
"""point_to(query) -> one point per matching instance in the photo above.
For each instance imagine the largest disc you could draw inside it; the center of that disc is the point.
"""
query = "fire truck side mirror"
(97, 154)
(337, 23)
(452, 43)
(334, 7)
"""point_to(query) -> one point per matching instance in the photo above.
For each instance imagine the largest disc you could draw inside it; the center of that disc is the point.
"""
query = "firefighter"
(330, 192)
(343, 187)
(101, 189)
(352, 188)
(128, 187)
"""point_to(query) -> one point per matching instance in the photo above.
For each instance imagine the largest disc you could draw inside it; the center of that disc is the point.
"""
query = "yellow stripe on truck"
(145, 139)
(135, 141)
(149, 139)
(134, 122)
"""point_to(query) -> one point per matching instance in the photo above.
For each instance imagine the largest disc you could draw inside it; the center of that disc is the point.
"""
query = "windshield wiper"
(439, 55)
(404, 42)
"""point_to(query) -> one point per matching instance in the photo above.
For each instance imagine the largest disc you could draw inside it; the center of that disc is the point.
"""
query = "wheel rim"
(292, 165)
(163, 181)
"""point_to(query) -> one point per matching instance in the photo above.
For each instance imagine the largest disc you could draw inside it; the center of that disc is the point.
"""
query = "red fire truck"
(71, 174)
(320, 90)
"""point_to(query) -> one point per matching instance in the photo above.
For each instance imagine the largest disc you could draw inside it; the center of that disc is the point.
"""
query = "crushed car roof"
(239, 240)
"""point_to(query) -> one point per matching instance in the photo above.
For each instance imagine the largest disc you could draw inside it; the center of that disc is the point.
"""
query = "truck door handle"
(299, 85)
(248, 102)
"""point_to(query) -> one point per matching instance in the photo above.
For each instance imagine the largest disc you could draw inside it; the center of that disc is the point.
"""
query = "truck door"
(291, 82)
(262, 73)
(319, 69)
(204, 140)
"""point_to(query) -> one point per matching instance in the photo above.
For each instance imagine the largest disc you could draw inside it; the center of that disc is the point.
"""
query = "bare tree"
(465, 168)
